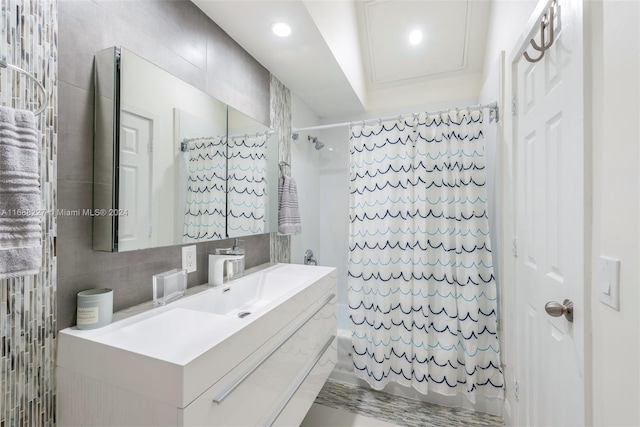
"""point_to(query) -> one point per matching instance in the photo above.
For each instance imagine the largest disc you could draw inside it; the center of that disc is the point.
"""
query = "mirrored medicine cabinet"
(172, 164)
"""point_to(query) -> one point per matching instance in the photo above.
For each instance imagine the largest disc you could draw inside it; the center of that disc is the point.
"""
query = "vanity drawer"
(299, 403)
(256, 396)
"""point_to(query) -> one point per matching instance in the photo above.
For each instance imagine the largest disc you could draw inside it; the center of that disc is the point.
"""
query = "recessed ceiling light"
(415, 37)
(281, 29)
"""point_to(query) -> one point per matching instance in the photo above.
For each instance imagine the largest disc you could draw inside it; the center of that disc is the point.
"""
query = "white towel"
(288, 210)
(20, 212)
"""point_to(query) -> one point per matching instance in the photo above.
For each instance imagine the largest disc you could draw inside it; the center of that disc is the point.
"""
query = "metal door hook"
(547, 22)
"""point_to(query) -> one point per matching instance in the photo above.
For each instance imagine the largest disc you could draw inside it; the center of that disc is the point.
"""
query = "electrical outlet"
(189, 258)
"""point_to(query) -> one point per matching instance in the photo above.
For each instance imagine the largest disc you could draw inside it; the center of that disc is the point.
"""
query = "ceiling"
(341, 52)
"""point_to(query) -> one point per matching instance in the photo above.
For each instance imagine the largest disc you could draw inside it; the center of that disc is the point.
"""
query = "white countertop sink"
(172, 335)
(251, 294)
(192, 335)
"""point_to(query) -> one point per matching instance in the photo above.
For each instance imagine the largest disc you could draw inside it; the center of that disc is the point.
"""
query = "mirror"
(163, 162)
(252, 176)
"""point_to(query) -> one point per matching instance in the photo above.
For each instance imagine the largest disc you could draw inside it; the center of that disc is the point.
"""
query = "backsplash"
(28, 304)
(178, 37)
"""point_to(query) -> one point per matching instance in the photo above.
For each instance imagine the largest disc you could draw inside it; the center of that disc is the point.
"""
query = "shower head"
(314, 139)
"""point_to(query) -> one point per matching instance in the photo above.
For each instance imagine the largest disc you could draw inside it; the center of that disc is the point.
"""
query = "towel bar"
(45, 104)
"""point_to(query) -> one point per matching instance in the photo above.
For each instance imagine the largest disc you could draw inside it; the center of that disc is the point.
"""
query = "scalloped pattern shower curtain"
(422, 293)
(205, 211)
(247, 185)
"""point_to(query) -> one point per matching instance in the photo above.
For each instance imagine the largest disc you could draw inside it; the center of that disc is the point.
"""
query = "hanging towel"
(288, 210)
(20, 228)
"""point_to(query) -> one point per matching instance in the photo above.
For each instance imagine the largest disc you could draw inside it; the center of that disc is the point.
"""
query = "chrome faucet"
(219, 264)
(226, 260)
(309, 259)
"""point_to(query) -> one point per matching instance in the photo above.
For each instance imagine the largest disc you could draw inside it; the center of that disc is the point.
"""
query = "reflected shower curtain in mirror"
(422, 294)
(247, 184)
(204, 217)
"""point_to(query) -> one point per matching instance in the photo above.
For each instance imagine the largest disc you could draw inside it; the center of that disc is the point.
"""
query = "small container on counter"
(95, 308)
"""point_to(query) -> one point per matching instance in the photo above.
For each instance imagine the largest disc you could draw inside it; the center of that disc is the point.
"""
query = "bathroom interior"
(346, 73)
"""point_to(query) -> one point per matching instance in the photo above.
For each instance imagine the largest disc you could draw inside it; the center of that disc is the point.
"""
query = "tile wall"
(28, 37)
(281, 121)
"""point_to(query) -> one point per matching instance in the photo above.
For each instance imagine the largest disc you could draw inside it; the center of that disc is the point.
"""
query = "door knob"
(556, 309)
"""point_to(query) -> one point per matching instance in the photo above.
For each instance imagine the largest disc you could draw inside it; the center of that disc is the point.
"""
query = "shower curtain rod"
(257, 134)
(493, 110)
(184, 145)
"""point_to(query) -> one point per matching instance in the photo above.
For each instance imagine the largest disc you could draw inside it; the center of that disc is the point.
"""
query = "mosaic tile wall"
(28, 304)
(281, 121)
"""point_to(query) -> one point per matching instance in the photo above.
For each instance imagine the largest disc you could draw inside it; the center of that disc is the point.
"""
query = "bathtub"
(343, 371)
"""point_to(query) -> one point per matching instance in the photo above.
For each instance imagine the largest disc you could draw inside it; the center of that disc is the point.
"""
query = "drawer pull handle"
(301, 380)
(227, 391)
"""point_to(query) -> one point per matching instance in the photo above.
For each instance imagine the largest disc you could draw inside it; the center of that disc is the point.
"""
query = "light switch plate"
(609, 282)
(189, 258)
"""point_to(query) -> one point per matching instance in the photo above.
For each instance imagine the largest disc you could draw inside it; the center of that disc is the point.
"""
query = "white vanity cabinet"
(209, 369)
(261, 397)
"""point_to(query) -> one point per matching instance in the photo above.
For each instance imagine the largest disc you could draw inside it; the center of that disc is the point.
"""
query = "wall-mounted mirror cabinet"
(172, 164)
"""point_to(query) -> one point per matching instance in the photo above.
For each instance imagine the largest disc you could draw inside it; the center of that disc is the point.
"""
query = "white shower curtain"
(422, 294)
(247, 185)
(204, 217)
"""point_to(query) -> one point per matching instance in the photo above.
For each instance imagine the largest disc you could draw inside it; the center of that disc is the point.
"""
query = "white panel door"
(550, 224)
(134, 226)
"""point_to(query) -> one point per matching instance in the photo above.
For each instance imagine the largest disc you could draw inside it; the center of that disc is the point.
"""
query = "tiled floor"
(323, 416)
(373, 407)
